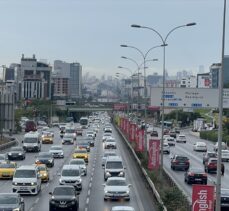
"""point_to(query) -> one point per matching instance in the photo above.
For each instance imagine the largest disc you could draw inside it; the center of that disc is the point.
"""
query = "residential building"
(75, 81)
(9, 74)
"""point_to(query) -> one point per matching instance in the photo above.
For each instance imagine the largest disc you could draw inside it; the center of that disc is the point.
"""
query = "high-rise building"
(226, 71)
(75, 81)
(9, 74)
(214, 74)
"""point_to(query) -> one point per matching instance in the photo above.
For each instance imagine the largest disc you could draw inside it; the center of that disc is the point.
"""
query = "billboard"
(140, 140)
(203, 197)
(120, 106)
(154, 154)
(188, 98)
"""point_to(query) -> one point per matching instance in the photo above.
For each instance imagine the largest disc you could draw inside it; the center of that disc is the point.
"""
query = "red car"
(210, 165)
(30, 126)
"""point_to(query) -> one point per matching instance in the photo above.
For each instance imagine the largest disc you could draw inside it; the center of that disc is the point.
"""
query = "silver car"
(107, 154)
(57, 151)
(81, 163)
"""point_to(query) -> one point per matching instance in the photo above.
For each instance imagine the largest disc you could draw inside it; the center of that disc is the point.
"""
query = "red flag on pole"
(154, 154)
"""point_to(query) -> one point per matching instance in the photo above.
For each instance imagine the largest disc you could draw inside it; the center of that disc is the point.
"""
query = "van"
(32, 142)
(113, 167)
(26, 180)
(30, 125)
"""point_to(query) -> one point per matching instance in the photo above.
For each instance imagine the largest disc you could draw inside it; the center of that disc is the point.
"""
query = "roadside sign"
(203, 197)
(154, 152)
(189, 97)
(140, 140)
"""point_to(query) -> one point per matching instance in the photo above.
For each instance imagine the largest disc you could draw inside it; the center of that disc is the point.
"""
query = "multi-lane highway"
(91, 196)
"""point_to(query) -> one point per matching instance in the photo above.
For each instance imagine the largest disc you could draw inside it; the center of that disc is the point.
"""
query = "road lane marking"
(89, 192)
(87, 201)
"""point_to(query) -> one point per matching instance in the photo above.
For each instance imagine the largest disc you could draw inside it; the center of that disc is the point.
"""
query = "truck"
(198, 125)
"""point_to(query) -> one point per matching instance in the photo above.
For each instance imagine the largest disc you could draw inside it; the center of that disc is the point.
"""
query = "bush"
(213, 136)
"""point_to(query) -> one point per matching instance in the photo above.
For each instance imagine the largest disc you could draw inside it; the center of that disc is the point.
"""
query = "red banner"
(154, 154)
(122, 123)
(132, 132)
(140, 140)
(202, 198)
(127, 127)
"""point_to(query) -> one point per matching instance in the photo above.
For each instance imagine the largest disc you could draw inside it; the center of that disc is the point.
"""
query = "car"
(210, 165)
(79, 131)
(7, 170)
(208, 155)
(32, 142)
(47, 138)
(57, 151)
(62, 132)
(89, 140)
(3, 158)
(67, 139)
(149, 129)
(107, 154)
(105, 136)
(166, 132)
(81, 163)
(45, 158)
(225, 198)
(116, 188)
(26, 180)
(173, 133)
(114, 167)
(110, 143)
(71, 131)
(83, 145)
(30, 125)
(166, 148)
(181, 138)
(71, 175)
(154, 133)
(200, 146)
(107, 130)
(11, 201)
(64, 197)
(180, 162)
(43, 172)
(196, 175)
(224, 146)
(16, 153)
(91, 134)
(225, 155)
(122, 208)
(81, 153)
(170, 140)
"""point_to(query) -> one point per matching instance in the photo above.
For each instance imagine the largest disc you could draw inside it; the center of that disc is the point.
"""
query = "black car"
(16, 153)
(11, 201)
(64, 197)
(45, 158)
(180, 162)
(196, 175)
(224, 199)
(154, 133)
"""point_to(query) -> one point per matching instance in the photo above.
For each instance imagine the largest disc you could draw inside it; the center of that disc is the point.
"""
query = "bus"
(167, 124)
(84, 122)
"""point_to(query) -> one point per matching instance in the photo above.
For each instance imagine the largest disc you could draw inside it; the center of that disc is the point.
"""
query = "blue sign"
(196, 105)
(173, 104)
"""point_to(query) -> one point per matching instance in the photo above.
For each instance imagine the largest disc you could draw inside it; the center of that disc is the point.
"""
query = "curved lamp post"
(164, 44)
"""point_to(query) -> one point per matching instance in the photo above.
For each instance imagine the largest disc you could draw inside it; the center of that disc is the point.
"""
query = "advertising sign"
(140, 142)
(132, 132)
(202, 198)
(154, 154)
(189, 97)
(120, 106)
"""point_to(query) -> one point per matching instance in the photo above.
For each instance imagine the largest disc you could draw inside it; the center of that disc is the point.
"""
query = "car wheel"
(105, 199)
(204, 182)
(128, 199)
(188, 182)
(185, 180)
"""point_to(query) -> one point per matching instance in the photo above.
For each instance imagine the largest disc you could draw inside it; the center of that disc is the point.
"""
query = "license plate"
(198, 179)
(63, 205)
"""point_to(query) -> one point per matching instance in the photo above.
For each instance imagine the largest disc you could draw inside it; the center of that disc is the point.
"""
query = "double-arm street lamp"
(164, 44)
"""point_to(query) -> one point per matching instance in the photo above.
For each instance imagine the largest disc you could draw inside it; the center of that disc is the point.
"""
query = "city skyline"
(91, 32)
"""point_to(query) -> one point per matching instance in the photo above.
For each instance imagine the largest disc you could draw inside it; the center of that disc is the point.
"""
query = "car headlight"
(121, 174)
(105, 191)
(45, 175)
(19, 153)
(50, 160)
(33, 183)
(10, 153)
(108, 173)
(14, 183)
(60, 180)
(127, 192)
(79, 180)
(16, 209)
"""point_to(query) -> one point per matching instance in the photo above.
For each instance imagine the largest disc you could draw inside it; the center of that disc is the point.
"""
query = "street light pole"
(219, 160)
(164, 44)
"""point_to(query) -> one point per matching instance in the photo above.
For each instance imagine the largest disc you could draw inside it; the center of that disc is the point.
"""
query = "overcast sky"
(91, 31)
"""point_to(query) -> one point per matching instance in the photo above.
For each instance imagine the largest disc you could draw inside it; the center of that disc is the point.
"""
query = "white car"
(200, 146)
(224, 146)
(91, 133)
(116, 188)
(166, 136)
(166, 148)
(181, 138)
(105, 136)
(107, 130)
(110, 143)
(81, 163)
(107, 154)
(170, 140)
(57, 151)
(122, 208)
(225, 155)
(68, 139)
(150, 129)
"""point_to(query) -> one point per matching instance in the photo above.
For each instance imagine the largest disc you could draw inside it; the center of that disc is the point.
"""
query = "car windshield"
(68, 136)
(107, 134)
(82, 144)
(70, 172)
(77, 162)
(70, 131)
(181, 158)
(111, 140)
(114, 165)
(213, 161)
(64, 191)
(25, 173)
(80, 151)
(44, 155)
(2, 157)
(41, 168)
(225, 152)
(116, 183)
(212, 155)
(16, 149)
(30, 140)
(56, 148)
(7, 165)
(8, 200)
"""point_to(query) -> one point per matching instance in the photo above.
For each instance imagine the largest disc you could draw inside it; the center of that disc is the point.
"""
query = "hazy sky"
(91, 31)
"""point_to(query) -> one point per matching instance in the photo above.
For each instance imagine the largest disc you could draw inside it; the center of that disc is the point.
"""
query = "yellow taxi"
(43, 171)
(7, 170)
(47, 138)
(81, 153)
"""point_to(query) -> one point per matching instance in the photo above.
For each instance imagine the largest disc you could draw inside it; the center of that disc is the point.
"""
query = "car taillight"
(187, 162)
(191, 174)
(205, 175)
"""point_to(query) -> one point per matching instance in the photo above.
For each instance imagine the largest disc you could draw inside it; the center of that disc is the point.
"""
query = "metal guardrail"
(151, 185)
(12, 142)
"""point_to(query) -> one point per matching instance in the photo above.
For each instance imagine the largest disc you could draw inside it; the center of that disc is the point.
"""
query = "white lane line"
(36, 201)
(90, 184)
(31, 208)
(47, 184)
(91, 179)
(89, 192)
(87, 201)
(86, 209)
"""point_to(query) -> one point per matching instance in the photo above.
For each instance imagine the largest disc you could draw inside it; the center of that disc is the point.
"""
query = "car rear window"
(181, 158)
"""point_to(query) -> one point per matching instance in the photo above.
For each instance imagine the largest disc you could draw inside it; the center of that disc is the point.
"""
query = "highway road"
(196, 159)
(91, 197)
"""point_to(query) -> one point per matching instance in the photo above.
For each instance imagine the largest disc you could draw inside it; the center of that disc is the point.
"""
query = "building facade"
(189, 82)
(203, 80)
